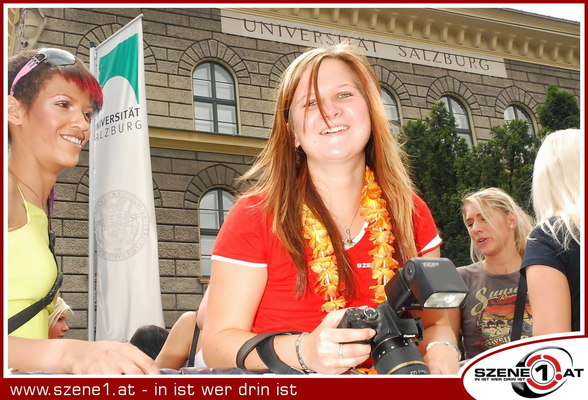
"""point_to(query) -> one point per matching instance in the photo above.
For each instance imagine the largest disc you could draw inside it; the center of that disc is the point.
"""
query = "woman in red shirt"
(330, 216)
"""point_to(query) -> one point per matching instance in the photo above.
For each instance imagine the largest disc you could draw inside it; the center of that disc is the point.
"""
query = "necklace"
(348, 239)
(323, 261)
(19, 181)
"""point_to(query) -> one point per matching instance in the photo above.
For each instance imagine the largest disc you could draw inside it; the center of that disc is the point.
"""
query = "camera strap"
(26, 314)
(517, 321)
(193, 345)
(264, 343)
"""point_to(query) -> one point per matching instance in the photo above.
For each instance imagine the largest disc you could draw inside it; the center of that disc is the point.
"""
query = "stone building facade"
(485, 59)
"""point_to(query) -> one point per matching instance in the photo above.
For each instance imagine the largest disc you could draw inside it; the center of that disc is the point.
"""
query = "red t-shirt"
(246, 239)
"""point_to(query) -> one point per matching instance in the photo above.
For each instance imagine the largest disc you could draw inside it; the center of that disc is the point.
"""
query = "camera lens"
(398, 355)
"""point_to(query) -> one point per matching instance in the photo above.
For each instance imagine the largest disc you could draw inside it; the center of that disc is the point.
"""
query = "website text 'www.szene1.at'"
(105, 389)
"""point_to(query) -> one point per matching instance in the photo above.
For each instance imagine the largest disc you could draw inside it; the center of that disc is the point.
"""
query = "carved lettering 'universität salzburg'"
(289, 32)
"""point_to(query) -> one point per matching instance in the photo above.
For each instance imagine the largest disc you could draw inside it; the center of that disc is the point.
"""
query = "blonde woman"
(58, 326)
(331, 215)
(552, 259)
(498, 230)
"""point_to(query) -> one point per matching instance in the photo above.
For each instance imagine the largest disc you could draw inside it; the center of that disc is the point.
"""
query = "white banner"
(122, 212)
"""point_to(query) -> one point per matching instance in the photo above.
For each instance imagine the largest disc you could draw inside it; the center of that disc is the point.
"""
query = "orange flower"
(382, 224)
(329, 276)
(372, 204)
(317, 236)
(379, 293)
(381, 250)
(378, 263)
(366, 371)
(320, 263)
(333, 305)
(380, 236)
(372, 190)
(384, 262)
(322, 249)
(329, 291)
(382, 275)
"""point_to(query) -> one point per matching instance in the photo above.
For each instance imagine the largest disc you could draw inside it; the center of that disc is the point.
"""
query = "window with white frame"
(516, 112)
(214, 206)
(462, 120)
(215, 104)
(392, 110)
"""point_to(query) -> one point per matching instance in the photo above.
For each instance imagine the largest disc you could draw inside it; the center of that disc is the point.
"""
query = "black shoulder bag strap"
(193, 346)
(517, 321)
(264, 343)
(21, 318)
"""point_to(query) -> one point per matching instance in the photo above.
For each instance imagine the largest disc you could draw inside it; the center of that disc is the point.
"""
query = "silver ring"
(340, 350)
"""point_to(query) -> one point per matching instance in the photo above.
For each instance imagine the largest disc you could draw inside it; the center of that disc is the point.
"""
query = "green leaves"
(444, 169)
(560, 110)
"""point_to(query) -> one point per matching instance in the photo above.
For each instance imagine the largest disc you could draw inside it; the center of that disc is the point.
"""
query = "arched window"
(214, 206)
(215, 105)
(391, 109)
(516, 112)
(462, 120)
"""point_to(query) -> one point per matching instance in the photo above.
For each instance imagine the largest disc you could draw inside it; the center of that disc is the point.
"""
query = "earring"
(299, 154)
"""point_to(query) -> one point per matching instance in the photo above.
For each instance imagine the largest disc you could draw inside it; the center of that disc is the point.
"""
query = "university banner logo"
(554, 369)
(122, 61)
(123, 235)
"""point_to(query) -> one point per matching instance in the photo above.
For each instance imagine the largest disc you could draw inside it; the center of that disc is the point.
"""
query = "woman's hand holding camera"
(327, 349)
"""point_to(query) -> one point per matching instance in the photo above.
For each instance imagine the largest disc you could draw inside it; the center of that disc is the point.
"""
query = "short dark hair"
(149, 339)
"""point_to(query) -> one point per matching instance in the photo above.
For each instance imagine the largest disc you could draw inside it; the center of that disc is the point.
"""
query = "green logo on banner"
(122, 61)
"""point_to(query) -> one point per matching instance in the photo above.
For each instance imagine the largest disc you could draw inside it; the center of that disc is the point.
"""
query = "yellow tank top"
(31, 271)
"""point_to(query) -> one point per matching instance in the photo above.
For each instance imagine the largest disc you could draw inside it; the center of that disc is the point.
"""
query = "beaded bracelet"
(299, 353)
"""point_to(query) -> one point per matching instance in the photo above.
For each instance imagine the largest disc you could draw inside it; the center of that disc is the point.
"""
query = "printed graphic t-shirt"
(246, 239)
(487, 311)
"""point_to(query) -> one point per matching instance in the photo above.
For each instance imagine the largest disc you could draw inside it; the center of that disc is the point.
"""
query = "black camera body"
(394, 349)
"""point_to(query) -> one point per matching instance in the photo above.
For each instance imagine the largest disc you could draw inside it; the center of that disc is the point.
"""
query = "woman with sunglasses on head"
(331, 215)
(52, 97)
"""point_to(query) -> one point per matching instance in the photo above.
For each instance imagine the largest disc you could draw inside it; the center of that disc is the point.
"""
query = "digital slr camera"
(394, 349)
(422, 283)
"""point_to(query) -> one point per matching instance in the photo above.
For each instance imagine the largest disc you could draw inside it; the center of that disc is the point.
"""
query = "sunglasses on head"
(54, 57)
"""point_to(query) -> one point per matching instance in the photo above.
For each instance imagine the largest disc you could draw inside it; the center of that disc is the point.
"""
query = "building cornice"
(495, 32)
(206, 142)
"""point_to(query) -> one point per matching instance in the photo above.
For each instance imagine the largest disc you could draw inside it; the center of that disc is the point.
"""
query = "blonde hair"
(60, 307)
(497, 199)
(556, 185)
(281, 175)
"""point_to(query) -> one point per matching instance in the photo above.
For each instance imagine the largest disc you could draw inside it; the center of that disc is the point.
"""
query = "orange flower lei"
(324, 262)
